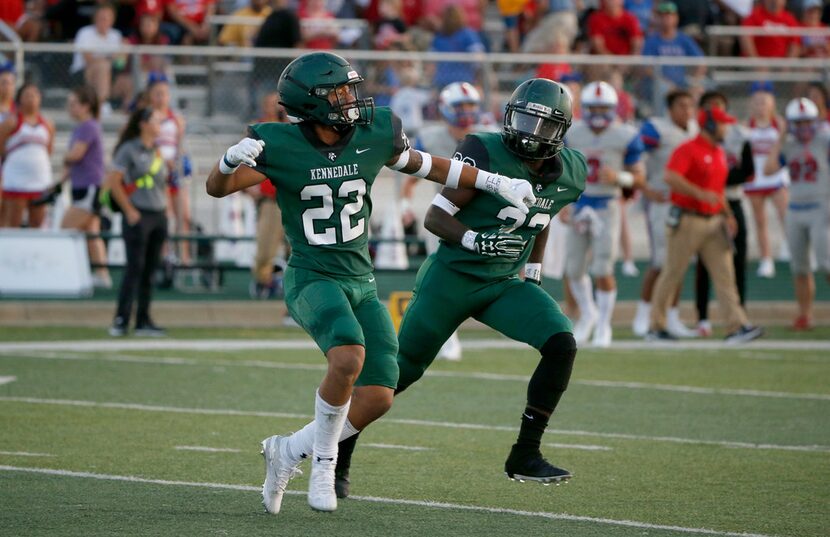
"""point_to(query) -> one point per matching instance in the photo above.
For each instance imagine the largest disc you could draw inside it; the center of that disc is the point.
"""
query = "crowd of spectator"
(591, 26)
(615, 27)
(410, 86)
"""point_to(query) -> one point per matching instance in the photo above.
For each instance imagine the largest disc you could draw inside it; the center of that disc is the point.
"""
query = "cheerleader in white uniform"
(26, 143)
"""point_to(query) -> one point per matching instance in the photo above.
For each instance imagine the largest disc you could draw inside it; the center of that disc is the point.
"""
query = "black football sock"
(344, 455)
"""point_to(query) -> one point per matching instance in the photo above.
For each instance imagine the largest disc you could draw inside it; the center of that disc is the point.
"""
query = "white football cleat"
(279, 469)
(630, 270)
(675, 326)
(766, 268)
(321, 495)
(451, 349)
(642, 319)
(585, 325)
(602, 336)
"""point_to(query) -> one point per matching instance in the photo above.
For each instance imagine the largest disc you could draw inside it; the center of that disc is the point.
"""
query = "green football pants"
(345, 311)
(444, 298)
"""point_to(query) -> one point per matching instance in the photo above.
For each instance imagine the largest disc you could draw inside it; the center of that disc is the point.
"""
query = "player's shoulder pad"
(650, 132)
(386, 118)
(472, 150)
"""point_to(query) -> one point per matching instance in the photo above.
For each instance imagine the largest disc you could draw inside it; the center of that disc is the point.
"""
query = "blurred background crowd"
(71, 73)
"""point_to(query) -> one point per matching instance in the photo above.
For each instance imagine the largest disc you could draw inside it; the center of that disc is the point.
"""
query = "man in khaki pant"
(270, 236)
(700, 223)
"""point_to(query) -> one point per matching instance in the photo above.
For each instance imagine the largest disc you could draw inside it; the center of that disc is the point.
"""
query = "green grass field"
(114, 441)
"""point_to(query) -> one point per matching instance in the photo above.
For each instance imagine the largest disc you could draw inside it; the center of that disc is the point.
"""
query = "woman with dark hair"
(138, 184)
(85, 169)
(25, 144)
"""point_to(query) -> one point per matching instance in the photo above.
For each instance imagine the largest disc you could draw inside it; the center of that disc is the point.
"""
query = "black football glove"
(499, 244)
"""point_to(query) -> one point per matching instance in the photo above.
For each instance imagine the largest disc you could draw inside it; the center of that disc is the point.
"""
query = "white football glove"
(517, 192)
(245, 152)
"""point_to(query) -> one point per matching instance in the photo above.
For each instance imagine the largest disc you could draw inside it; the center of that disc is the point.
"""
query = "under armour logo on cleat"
(321, 459)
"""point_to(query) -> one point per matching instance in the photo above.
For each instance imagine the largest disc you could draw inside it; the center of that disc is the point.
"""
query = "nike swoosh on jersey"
(371, 279)
(561, 189)
(359, 151)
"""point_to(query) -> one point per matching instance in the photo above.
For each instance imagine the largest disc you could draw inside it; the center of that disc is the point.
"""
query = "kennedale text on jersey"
(334, 172)
(543, 203)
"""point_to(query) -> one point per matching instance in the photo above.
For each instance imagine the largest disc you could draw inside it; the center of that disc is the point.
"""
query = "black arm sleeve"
(400, 142)
(472, 151)
(745, 168)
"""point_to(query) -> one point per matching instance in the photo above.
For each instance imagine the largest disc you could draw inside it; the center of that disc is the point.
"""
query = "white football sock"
(674, 316)
(329, 420)
(605, 302)
(641, 321)
(301, 443)
(582, 291)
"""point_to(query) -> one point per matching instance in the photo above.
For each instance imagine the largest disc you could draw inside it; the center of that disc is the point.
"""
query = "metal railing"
(213, 71)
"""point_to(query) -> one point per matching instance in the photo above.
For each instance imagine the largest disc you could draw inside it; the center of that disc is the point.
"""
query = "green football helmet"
(536, 118)
(308, 83)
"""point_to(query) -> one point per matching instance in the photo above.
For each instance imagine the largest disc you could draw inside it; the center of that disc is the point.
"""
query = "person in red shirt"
(189, 20)
(770, 14)
(700, 222)
(317, 24)
(613, 30)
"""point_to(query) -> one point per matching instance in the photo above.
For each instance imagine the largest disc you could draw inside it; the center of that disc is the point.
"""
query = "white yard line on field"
(583, 447)
(7, 380)
(469, 344)
(207, 449)
(25, 454)
(400, 421)
(394, 501)
(498, 377)
(396, 446)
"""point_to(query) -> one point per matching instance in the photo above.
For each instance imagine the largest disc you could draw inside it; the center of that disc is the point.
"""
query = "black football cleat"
(533, 467)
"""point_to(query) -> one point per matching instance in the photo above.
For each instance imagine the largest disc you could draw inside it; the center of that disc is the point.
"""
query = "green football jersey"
(560, 182)
(324, 192)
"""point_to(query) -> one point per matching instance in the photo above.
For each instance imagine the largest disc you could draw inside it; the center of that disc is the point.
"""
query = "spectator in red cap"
(701, 222)
(771, 14)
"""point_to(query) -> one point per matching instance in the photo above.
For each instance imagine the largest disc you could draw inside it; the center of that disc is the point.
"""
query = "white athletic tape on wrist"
(625, 179)
(533, 271)
(468, 241)
(402, 161)
(225, 166)
(426, 165)
(489, 182)
(454, 175)
(445, 205)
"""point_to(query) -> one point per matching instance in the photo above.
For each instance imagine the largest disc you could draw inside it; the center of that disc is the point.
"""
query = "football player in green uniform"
(462, 280)
(323, 165)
